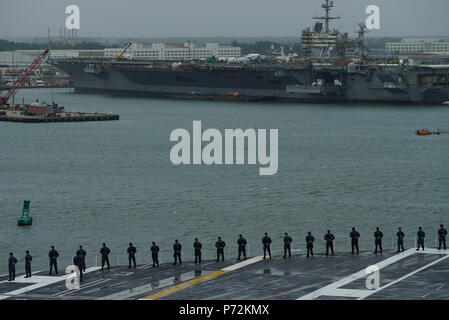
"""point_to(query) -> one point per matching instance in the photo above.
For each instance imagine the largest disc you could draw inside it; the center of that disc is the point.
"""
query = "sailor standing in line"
(104, 251)
(287, 245)
(329, 238)
(378, 240)
(266, 240)
(78, 261)
(220, 244)
(309, 243)
(400, 236)
(421, 235)
(131, 255)
(53, 255)
(83, 254)
(28, 259)
(197, 247)
(12, 267)
(241, 242)
(354, 235)
(177, 251)
(442, 237)
(155, 254)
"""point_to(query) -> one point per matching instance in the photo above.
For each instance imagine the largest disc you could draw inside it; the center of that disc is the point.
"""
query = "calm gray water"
(339, 166)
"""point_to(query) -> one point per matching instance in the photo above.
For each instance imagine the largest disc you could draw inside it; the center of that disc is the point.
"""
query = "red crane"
(23, 78)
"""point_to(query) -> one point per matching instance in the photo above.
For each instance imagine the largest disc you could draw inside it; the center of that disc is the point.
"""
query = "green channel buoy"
(25, 220)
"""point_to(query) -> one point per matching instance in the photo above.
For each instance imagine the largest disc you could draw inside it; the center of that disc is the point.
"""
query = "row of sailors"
(80, 258)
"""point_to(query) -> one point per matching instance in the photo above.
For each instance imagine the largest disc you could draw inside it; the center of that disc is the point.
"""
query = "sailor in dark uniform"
(28, 259)
(287, 246)
(220, 244)
(266, 240)
(400, 236)
(53, 255)
(354, 240)
(442, 237)
(131, 255)
(12, 267)
(83, 254)
(155, 254)
(309, 243)
(420, 235)
(177, 251)
(78, 261)
(197, 246)
(378, 240)
(329, 238)
(104, 251)
(241, 242)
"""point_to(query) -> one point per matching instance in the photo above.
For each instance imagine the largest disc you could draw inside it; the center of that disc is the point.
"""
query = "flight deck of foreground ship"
(417, 275)
(335, 69)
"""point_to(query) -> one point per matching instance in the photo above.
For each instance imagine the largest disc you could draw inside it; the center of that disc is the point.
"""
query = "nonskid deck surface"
(408, 275)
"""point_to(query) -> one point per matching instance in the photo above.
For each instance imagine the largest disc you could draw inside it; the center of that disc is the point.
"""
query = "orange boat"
(423, 132)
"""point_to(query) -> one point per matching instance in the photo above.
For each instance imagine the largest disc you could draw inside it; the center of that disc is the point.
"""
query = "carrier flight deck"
(407, 275)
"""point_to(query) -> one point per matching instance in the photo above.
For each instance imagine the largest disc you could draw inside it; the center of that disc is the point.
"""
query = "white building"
(419, 45)
(176, 51)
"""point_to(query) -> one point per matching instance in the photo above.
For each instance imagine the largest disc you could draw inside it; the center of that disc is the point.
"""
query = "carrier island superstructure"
(334, 68)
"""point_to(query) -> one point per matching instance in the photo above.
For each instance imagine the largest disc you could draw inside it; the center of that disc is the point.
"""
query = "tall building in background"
(177, 51)
(419, 45)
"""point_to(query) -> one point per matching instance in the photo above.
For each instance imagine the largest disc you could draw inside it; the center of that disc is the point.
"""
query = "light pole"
(13, 71)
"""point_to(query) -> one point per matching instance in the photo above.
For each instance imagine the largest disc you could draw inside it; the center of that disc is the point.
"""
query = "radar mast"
(327, 17)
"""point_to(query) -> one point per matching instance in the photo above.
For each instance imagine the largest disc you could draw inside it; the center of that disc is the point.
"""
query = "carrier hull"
(313, 83)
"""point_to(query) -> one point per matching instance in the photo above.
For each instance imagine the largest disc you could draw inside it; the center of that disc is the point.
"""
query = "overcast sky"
(231, 18)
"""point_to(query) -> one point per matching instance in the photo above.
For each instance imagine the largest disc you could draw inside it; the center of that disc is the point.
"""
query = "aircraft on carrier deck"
(333, 69)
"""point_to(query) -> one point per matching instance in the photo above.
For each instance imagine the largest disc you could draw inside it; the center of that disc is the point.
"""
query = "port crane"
(120, 55)
(23, 78)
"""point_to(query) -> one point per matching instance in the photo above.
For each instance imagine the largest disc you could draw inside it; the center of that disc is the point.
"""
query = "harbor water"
(339, 166)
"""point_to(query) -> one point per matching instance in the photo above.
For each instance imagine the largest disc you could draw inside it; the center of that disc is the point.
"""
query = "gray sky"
(202, 18)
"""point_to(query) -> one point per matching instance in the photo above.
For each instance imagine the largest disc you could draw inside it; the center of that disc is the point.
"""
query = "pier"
(72, 117)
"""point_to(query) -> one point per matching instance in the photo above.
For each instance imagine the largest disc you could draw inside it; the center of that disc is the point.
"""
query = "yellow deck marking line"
(201, 279)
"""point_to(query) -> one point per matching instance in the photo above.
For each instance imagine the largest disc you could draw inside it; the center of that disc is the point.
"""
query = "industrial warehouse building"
(419, 45)
(177, 51)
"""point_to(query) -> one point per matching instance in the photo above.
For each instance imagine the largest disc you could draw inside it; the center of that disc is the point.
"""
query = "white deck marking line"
(436, 289)
(81, 286)
(86, 286)
(433, 251)
(333, 289)
(63, 293)
(147, 267)
(38, 282)
(367, 293)
(203, 278)
(339, 292)
(154, 285)
(242, 264)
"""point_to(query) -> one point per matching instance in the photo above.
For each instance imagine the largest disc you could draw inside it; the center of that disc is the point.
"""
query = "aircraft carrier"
(335, 69)
(414, 275)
